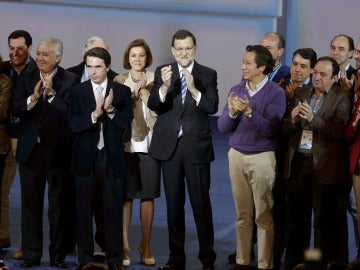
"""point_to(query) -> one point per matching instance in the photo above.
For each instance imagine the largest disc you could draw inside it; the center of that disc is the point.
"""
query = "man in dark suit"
(80, 69)
(342, 50)
(40, 102)
(275, 43)
(315, 164)
(20, 46)
(182, 140)
(82, 72)
(99, 112)
(303, 62)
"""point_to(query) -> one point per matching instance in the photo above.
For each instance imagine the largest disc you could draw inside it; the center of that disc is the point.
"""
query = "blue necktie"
(183, 86)
(183, 95)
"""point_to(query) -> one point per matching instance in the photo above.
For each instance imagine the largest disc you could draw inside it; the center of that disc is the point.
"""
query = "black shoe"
(29, 263)
(99, 256)
(335, 266)
(58, 264)
(115, 267)
(232, 258)
(240, 267)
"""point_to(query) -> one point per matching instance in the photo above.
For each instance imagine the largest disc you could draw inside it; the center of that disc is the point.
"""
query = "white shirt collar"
(257, 88)
(189, 68)
(103, 84)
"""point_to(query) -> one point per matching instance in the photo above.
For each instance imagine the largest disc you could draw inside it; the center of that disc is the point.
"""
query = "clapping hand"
(306, 112)
(345, 83)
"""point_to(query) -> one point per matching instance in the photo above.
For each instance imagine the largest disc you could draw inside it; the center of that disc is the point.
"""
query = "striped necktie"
(183, 86)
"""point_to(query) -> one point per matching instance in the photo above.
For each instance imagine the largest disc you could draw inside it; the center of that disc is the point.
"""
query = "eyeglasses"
(186, 50)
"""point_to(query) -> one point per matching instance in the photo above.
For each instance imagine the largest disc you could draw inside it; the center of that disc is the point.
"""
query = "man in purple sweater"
(252, 115)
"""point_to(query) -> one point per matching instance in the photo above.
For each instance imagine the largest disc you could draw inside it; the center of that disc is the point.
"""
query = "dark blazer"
(193, 118)
(46, 120)
(7, 66)
(328, 126)
(282, 73)
(350, 71)
(82, 104)
(78, 70)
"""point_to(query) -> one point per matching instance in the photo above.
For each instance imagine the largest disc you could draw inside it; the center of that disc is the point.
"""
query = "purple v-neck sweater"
(255, 134)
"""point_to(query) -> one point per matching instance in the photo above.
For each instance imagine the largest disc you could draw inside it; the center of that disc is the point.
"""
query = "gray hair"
(91, 40)
(57, 45)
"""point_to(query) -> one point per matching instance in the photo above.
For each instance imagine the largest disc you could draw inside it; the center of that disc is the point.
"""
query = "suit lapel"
(328, 101)
(89, 97)
(176, 85)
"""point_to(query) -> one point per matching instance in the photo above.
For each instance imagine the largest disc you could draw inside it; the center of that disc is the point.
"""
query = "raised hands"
(302, 110)
(140, 85)
(166, 73)
(345, 83)
(290, 90)
(38, 91)
(237, 104)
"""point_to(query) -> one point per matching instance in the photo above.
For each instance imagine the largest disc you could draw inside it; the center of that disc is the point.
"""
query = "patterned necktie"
(183, 95)
(98, 94)
(183, 86)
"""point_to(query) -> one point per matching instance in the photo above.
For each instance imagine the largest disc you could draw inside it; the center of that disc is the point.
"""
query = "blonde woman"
(143, 172)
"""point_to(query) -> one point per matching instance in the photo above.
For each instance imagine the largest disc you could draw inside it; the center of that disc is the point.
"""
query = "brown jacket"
(328, 126)
(5, 99)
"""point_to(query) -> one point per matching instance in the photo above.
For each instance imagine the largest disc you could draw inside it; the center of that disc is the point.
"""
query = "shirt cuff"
(162, 96)
(197, 99)
(93, 119)
(233, 117)
(29, 104)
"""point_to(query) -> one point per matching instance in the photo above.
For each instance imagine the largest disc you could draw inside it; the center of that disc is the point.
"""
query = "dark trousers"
(329, 203)
(102, 183)
(198, 184)
(279, 214)
(330, 223)
(33, 178)
(300, 198)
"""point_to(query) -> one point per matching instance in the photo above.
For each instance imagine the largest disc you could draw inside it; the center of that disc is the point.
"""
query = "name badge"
(306, 139)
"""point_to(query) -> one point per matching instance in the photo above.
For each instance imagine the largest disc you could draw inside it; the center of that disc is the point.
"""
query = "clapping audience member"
(316, 167)
(185, 94)
(40, 100)
(100, 110)
(252, 115)
(143, 172)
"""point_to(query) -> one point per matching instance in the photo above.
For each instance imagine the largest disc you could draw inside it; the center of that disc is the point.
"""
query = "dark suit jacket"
(7, 66)
(78, 70)
(193, 118)
(82, 104)
(282, 73)
(46, 120)
(328, 126)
